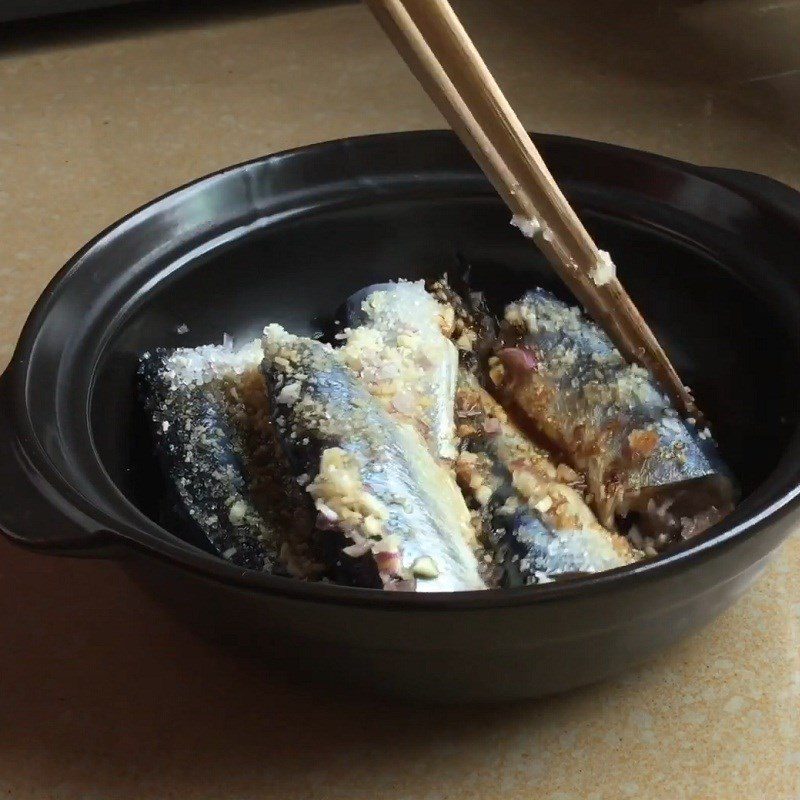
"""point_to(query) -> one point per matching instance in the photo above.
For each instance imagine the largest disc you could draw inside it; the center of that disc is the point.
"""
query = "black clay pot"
(710, 256)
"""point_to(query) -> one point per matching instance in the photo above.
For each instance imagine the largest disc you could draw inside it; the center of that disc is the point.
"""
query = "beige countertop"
(102, 695)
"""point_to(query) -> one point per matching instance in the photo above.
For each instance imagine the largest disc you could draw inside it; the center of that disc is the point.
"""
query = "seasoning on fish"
(474, 328)
(394, 517)
(207, 409)
(644, 465)
(531, 509)
(397, 343)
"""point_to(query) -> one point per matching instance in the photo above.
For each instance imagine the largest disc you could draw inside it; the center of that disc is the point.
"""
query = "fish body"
(537, 521)
(198, 405)
(396, 343)
(641, 460)
(372, 480)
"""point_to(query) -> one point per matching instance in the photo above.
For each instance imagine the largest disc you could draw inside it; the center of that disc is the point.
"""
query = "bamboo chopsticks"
(432, 41)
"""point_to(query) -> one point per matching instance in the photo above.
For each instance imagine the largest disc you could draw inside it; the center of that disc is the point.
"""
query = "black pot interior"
(726, 314)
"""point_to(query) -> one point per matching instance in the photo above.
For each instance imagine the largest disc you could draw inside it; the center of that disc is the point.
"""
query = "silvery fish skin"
(611, 421)
(396, 344)
(372, 479)
(194, 399)
(532, 510)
